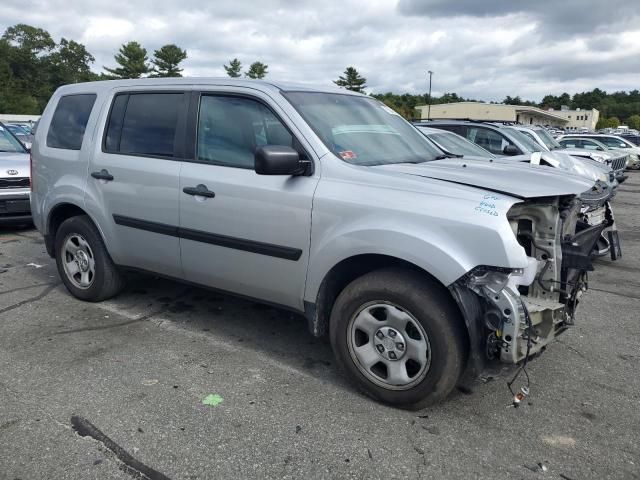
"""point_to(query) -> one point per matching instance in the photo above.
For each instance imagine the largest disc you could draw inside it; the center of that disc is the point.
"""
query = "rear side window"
(488, 139)
(144, 124)
(70, 121)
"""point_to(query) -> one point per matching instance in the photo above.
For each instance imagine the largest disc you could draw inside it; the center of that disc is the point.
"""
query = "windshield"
(362, 130)
(9, 143)
(549, 141)
(453, 143)
(526, 142)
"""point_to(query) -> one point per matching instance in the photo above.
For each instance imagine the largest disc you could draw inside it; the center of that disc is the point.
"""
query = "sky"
(481, 49)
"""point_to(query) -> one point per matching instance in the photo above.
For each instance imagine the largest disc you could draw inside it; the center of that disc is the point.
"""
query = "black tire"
(429, 303)
(107, 280)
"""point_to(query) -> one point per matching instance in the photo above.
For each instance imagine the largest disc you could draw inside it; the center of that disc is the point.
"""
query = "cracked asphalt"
(136, 369)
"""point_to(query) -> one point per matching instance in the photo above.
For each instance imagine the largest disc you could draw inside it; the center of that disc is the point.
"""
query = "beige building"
(498, 112)
(578, 118)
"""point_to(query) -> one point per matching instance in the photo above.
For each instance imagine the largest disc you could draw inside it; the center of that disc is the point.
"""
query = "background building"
(498, 112)
(578, 118)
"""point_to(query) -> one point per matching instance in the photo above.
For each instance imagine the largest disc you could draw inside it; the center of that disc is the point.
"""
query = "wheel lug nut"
(392, 333)
(379, 334)
(392, 356)
(380, 348)
(400, 346)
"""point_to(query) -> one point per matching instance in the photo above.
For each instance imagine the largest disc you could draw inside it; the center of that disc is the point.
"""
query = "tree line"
(33, 66)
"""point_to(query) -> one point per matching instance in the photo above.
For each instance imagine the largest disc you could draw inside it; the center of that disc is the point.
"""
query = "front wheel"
(399, 336)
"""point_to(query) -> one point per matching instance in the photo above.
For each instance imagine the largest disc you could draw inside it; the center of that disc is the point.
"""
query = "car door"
(135, 176)
(246, 233)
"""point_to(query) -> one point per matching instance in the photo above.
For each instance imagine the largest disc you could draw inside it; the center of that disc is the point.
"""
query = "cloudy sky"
(481, 49)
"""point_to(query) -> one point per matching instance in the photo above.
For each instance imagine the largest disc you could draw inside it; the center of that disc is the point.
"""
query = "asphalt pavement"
(171, 381)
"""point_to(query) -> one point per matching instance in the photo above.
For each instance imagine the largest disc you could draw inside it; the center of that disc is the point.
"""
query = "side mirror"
(511, 150)
(278, 160)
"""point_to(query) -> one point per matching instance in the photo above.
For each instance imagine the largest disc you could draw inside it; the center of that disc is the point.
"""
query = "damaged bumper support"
(506, 324)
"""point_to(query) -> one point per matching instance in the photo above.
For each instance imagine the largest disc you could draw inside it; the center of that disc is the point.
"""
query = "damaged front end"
(513, 314)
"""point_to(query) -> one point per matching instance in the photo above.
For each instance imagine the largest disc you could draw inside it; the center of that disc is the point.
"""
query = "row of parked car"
(431, 254)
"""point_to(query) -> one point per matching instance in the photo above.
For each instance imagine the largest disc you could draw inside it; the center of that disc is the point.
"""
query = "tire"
(421, 311)
(101, 279)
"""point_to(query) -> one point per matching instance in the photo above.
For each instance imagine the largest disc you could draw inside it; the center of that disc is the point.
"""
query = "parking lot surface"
(171, 381)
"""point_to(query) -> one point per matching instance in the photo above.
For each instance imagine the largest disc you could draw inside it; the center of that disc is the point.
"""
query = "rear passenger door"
(134, 178)
(253, 236)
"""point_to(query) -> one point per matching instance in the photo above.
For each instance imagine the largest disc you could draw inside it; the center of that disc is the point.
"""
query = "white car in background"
(611, 143)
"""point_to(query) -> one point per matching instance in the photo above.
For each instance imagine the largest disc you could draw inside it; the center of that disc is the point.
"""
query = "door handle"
(201, 191)
(102, 175)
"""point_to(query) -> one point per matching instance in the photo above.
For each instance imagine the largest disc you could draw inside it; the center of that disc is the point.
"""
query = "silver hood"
(520, 181)
(14, 162)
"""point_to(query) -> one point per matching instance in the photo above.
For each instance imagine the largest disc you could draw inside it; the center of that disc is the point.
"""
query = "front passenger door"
(240, 231)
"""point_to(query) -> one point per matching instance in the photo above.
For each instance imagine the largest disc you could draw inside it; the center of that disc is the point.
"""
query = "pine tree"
(257, 70)
(132, 59)
(234, 68)
(351, 80)
(166, 61)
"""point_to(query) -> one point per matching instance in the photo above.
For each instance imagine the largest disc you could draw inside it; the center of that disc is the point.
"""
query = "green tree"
(33, 39)
(70, 63)
(257, 70)
(351, 80)
(234, 68)
(132, 58)
(634, 121)
(166, 61)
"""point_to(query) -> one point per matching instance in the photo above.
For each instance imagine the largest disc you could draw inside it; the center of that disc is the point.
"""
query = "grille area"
(619, 163)
(18, 182)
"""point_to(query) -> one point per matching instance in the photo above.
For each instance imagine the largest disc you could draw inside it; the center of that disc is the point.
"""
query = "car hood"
(520, 180)
(14, 162)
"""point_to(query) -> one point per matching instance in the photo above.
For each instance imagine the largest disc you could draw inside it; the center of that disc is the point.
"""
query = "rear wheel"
(83, 262)
(398, 335)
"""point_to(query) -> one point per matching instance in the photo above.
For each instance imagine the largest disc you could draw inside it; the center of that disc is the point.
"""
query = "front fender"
(446, 250)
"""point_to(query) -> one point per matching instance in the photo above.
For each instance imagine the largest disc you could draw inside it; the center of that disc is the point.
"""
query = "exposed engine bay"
(513, 314)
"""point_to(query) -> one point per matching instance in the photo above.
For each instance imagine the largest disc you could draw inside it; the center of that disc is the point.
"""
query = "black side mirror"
(278, 160)
(511, 150)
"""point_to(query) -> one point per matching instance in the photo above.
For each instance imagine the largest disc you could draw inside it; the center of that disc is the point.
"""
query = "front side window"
(613, 142)
(361, 130)
(488, 139)
(70, 121)
(144, 124)
(589, 145)
(452, 143)
(231, 129)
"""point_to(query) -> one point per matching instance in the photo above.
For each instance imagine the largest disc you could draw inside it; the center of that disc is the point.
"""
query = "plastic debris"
(34, 265)
(212, 400)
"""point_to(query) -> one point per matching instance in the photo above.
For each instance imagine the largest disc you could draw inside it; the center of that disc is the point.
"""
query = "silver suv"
(323, 201)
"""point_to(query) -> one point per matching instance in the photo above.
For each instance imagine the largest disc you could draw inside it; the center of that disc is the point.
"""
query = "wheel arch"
(58, 214)
(343, 273)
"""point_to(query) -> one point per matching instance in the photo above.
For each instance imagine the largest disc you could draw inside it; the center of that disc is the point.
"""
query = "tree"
(351, 80)
(234, 68)
(132, 59)
(70, 63)
(634, 121)
(35, 40)
(257, 70)
(166, 61)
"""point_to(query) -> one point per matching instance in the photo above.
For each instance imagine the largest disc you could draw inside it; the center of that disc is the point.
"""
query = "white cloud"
(484, 50)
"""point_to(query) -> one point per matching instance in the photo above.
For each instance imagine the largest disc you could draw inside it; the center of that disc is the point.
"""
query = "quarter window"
(70, 121)
(144, 124)
(230, 129)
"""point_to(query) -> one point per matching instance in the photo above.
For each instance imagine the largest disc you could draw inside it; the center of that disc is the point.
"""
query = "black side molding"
(271, 250)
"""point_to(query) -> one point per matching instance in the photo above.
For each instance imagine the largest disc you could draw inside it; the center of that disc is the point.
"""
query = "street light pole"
(429, 105)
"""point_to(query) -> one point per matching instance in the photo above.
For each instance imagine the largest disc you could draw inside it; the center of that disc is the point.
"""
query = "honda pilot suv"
(423, 273)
